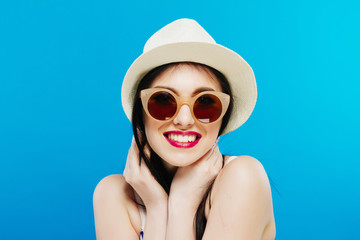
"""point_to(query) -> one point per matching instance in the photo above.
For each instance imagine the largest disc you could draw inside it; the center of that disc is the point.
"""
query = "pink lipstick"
(182, 139)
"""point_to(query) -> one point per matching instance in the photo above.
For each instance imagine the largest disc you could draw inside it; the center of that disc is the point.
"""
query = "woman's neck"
(170, 168)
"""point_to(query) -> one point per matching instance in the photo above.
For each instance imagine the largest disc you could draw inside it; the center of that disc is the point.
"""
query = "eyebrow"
(198, 90)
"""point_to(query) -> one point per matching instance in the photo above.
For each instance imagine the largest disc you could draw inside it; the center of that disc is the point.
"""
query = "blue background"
(62, 128)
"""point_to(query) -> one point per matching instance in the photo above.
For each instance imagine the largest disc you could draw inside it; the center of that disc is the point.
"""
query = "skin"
(241, 204)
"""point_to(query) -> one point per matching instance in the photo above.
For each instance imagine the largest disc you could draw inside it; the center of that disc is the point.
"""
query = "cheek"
(213, 129)
(212, 134)
(152, 132)
(151, 136)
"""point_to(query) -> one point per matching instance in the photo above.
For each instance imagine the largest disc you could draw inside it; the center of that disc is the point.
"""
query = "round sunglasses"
(163, 104)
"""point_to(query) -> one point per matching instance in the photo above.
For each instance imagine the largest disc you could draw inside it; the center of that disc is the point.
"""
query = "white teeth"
(182, 138)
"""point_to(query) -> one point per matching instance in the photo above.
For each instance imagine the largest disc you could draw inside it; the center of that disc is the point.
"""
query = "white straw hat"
(184, 40)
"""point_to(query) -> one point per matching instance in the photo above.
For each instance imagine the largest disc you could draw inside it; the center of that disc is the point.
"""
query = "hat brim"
(236, 70)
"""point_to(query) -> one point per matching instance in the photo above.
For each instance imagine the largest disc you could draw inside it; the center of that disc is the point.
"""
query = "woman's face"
(185, 80)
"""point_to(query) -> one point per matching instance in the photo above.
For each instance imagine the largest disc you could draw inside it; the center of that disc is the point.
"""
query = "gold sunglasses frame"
(145, 95)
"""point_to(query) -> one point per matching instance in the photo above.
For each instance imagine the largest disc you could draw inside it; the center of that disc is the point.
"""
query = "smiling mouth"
(182, 139)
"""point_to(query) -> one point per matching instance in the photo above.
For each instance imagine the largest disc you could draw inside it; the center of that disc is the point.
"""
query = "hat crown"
(182, 30)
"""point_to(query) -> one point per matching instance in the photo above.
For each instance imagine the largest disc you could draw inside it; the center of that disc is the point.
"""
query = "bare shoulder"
(242, 174)
(244, 169)
(115, 210)
(112, 185)
(241, 202)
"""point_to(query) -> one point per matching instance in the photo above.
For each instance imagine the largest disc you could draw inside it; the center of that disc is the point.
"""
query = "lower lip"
(181, 144)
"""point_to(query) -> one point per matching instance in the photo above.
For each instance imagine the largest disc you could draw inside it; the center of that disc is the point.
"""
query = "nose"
(184, 118)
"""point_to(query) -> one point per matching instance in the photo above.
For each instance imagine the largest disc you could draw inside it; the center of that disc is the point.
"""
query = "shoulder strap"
(142, 210)
(230, 159)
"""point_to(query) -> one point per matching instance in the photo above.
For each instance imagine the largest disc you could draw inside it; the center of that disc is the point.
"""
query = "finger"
(133, 155)
(127, 164)
(216, 157)
(143, 168)
(125, 169)
(216, 142)
(130, 155)
(134, 146)
(219, 158)
(145, 172)
(214, 146)
(208, 155)
(212, 152)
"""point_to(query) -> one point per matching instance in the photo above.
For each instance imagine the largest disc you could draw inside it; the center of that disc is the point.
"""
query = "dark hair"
(154, 163)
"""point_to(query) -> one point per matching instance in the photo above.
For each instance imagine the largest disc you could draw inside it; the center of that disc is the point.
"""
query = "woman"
(181, 94)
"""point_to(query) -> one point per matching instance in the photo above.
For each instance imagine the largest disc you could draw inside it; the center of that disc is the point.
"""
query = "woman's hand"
(188, 187)
(191, 182)
(141, 179)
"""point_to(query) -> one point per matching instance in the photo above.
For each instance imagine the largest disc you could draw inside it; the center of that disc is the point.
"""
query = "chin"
(178, 156)
(181, 158)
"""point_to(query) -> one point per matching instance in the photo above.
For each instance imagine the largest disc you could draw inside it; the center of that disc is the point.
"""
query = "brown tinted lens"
(162, 105)
(207, 108)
